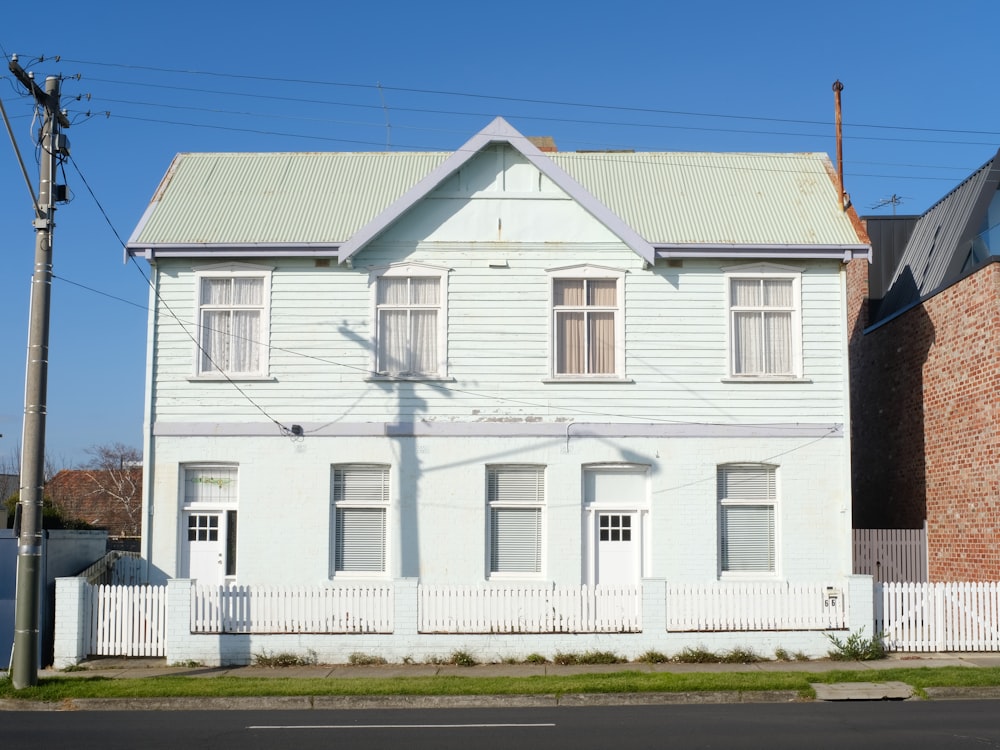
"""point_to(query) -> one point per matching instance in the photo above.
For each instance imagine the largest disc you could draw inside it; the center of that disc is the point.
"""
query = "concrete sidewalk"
(122, 668)
(118, 668)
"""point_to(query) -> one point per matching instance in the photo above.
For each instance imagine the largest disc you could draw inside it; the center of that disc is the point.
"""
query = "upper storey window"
(764, 322)
(233, 304)
(410, 322)
(588, 326)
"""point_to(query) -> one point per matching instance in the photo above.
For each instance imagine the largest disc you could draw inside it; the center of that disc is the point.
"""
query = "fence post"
(939, 617)
(653, 615)
(178, 647)
(406, 619)
(72, 622)
(860, 604)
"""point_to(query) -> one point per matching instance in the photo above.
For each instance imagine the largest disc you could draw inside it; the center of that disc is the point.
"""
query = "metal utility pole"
(24, 672)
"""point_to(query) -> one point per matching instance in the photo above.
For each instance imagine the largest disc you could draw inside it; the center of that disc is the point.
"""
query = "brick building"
(925, 371)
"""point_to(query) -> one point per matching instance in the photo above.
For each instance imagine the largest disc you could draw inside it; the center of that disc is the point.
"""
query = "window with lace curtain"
(233, 306)
(764, 324)
(587, 323)
(409, 322)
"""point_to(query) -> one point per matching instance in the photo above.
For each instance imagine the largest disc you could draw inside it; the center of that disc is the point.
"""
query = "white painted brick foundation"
(406, 643)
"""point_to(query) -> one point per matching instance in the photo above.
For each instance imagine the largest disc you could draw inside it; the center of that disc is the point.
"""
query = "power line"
(521, 100)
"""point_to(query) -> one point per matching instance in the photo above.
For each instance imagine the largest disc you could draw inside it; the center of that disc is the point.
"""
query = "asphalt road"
(913, 725)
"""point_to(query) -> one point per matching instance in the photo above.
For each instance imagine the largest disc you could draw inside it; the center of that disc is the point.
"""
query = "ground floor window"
(747, 501)
(515, 496)
(360, 496)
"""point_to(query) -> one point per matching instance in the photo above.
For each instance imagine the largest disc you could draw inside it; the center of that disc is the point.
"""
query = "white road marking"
(396, 726)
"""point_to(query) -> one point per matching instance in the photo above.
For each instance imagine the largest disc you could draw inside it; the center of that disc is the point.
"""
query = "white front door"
(617, 547)
(205, 547)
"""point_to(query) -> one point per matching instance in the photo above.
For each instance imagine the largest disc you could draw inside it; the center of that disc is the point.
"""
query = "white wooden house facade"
(498, 366)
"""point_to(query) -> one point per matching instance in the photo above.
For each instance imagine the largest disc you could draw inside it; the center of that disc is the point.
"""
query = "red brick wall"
(925, 388)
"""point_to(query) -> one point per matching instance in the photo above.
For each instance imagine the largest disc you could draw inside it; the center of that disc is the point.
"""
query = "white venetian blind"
(515, 495)
(747, 496)
(360, 496)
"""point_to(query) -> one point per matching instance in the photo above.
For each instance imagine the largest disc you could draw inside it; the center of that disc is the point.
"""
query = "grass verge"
(52, 689)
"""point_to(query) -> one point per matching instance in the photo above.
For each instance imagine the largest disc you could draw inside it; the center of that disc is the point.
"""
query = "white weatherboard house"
(500, 400)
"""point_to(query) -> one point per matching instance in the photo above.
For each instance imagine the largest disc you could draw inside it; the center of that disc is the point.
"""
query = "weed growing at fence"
(781, 655)
(741, 655)
(535, 659)
(588, 657)
(653, 657)
(360, 659)
(462, 659)
(265, 659)
(856, 647)
(697, 655)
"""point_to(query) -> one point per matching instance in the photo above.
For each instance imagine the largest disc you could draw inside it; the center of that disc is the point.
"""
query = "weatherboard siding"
(498, 346)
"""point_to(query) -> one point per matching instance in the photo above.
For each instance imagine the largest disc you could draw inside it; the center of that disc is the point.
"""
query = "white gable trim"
(498, 131)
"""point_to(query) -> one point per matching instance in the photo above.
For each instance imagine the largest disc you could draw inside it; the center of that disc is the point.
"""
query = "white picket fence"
(292, 609)
(530, 609)
(891, 554)
(127, 620)
(735, 606)
(938, 616)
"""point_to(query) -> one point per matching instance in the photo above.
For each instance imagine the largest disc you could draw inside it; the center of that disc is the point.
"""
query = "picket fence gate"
(127, 620)
(530, 609)
(938, 616)
(292, 609)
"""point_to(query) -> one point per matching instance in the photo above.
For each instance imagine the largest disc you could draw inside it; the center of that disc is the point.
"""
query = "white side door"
(204, 547)
(618, 548)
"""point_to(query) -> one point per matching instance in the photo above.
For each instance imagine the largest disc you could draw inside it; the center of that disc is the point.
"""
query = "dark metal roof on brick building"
(944, 243)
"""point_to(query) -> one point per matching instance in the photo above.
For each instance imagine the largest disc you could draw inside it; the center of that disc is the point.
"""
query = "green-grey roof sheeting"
(718, 198)
(283, 198)
(322, 199)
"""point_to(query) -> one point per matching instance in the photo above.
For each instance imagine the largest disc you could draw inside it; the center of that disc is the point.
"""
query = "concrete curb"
(354, 702)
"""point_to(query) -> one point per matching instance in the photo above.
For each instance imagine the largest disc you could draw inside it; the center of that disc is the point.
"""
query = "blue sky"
(158, 79)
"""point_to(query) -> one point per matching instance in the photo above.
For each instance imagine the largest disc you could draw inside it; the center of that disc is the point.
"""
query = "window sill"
(409, 379)
(578, 379)
(359, 575)
(765, 379)
(234, 378)
(762, 575)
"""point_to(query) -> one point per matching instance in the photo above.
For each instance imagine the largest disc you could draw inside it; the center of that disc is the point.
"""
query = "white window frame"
(214, 502)
(374, 497)
(765, 495)
(411, 270)
(763, 272)
(588, 272)
(518, 499)
(233, 271)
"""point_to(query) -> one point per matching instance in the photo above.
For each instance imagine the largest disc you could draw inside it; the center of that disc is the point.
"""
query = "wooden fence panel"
(362, 608)
(736, 606)
(895, 555)
(529, 609)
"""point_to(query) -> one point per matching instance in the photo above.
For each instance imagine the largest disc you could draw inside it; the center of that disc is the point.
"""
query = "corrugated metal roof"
(718, 198)
(277, 198)
(939, 245)
(667, 198)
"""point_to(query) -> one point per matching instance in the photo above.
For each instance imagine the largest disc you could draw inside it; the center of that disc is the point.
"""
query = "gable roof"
(939, 249)
(658, 204)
